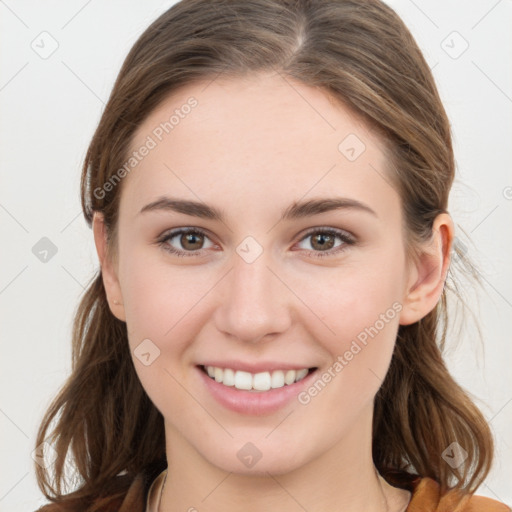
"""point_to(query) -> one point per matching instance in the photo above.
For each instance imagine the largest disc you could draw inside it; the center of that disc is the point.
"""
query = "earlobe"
(427, 280)
(108, 268)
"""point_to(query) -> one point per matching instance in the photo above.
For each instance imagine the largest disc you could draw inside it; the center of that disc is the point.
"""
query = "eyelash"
(344, 237)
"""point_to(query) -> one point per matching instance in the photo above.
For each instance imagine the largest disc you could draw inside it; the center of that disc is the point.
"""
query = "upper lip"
(256, 367)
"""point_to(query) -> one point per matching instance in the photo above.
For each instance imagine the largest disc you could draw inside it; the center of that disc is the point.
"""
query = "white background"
(50, 108)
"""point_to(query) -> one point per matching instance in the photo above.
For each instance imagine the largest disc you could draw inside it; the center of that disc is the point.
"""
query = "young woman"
(268, 190)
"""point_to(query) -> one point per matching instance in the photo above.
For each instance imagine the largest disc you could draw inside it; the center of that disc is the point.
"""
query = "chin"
(256, 458)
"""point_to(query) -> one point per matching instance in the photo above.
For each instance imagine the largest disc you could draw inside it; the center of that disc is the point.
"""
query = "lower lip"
(254, 402)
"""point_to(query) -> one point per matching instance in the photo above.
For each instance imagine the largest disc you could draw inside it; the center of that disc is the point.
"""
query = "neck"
(342, 477)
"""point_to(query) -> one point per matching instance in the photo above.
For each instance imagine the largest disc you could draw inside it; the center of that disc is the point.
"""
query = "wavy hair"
(361, 54)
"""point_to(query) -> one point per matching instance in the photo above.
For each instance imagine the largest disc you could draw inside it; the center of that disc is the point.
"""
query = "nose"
(253, 301)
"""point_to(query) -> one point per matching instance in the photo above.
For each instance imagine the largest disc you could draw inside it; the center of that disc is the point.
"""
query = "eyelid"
(346, 237)
(342, 233)
(172, 233)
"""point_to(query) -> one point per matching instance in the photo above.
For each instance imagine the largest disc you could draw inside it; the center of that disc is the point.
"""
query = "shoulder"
(136, 498)
(427, 496)
(477, 503)
(130, 494)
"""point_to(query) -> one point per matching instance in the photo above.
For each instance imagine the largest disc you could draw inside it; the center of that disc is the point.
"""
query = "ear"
(108, 268)
(426, 280)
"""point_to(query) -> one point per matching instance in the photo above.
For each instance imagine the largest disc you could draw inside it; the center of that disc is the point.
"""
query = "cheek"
(364, 315)
(357, 317)
(162, 304)
(158, 298)
(348, 300)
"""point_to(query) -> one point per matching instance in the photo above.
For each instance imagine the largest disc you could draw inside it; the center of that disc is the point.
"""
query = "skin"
(251, 147)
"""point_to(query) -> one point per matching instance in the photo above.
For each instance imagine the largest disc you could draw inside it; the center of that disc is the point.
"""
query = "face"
(292, 258)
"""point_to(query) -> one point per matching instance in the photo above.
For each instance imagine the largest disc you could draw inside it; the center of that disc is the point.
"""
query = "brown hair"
(360, 53)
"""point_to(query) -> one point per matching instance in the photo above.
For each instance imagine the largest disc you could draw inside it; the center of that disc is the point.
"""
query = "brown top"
(143, 495)
(425, 497)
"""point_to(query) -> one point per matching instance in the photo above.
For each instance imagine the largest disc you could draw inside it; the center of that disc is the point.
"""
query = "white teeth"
(289, 377)
(301, 374)
(228, 377)
(262, 381)
(277, 380)
(243, 380)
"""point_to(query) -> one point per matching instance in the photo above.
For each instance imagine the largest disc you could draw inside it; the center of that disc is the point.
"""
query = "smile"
(262, 381)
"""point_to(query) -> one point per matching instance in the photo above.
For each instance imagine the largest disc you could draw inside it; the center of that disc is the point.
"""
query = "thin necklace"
(161, 492)
(165, 480)
(382, 491)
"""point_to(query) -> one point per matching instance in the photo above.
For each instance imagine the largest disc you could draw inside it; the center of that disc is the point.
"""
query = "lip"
(268, 366)
(257, 403)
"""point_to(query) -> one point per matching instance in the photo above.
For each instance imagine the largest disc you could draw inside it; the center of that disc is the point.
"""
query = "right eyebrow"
(192, 208)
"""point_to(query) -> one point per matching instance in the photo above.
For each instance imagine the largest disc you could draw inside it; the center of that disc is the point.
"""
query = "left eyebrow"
(296, 211)
(317, 206)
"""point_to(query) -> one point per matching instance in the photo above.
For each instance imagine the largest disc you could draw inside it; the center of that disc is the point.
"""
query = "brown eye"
(191, 241)
(185, 242)
(323, 241)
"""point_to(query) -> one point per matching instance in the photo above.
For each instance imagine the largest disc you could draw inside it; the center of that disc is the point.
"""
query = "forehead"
(252, 140)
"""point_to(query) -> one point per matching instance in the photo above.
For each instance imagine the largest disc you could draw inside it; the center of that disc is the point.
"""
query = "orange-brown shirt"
(425, 497)
(144, 491)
